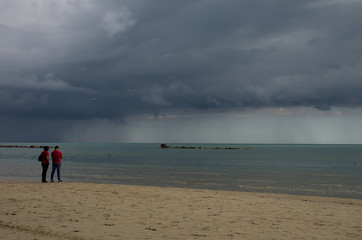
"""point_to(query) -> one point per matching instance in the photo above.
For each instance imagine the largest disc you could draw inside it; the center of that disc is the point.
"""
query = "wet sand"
(106, 211)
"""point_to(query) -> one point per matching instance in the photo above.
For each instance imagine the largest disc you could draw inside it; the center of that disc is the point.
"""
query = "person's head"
(46, 148)
(56, 147)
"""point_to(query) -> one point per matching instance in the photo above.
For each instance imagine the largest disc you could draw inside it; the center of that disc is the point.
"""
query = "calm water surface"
(320, 170)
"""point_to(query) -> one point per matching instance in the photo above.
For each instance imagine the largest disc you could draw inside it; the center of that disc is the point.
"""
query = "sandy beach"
(105, 211)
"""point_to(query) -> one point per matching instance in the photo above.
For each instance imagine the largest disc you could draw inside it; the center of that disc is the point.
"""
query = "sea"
(305, 169)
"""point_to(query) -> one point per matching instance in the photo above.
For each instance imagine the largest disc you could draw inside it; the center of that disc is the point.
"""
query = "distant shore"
(22, 146)
(43, 211)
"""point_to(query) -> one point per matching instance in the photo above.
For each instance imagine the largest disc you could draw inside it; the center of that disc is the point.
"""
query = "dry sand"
(104, 211)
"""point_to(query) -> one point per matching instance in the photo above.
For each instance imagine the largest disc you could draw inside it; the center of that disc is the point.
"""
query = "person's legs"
(58, 170)
(44, 172)
(53, 170)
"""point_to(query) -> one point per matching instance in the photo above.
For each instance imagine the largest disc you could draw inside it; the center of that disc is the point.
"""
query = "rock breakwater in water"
(22, 146)
(190, 147)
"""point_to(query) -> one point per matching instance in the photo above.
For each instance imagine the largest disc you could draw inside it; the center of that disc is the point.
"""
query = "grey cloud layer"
(110, 59)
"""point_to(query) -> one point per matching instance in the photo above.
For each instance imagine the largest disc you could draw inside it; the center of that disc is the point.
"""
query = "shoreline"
(187, 188)
(112, 211)
(194, 186)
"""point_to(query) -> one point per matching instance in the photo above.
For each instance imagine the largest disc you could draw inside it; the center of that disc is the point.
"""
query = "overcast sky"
(235, 71)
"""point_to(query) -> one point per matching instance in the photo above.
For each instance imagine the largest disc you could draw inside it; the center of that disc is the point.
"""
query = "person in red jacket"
(56, 157)
(44, 164)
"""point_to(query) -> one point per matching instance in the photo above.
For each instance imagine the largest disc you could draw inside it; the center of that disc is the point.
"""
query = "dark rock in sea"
(191, 147)
(22, 146)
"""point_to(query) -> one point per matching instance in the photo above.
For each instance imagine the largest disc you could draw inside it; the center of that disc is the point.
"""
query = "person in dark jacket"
(45, 164)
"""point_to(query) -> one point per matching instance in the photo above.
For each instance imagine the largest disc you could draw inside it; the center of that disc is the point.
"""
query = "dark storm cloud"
(112, 59)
